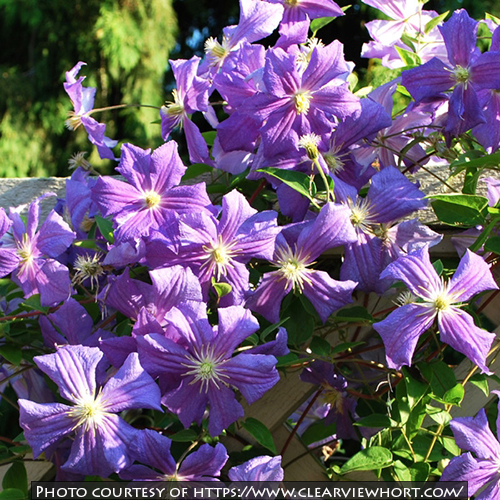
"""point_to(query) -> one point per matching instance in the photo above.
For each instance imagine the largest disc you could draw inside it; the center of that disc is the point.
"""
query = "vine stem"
(260, 187)
(300, 420)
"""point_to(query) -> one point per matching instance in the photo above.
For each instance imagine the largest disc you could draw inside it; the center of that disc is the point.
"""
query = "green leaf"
(376, 420)
(376, 457)
(409, 58)
(34, 303)
(354, 314)
(440, 375)
(419, 472)
(415, 389)
(470, 181)
(485, 161)
(493, 18)
(300, 324)
(320, 346)
(12, 353)
(345, 346)
(434, 22)
(456, 209)
(106, 228)
(195, 170)
(184, 436)
(209, 137)
(260, 432)
(288, 359)
(16, 477)
(270, 329)
(296, 180)
(86, 244)
(402, 471)
(455, 395)
(12, 494)
(221, 289)
(317, 432)
(439, 415)
(317, 24)
(492, 245)
(481, 380)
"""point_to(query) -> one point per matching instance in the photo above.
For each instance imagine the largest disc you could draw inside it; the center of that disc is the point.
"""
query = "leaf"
(320, 346)
(86, 244)
(106, 228)
(300, 324)
(376, 420)
(434, 22)
(221, 289)
(470, 181)
(184, 436)
(410, 59)
(16, 477)
(260, 432)
(485, 161)
(439, 415)
(34, 303)
(209, 137)
(493, 18)
(354, 314)
(456, 209)
(317, 432)
(415, 389)
(376, 457)
(296, 180)
(12, 494)
(419, 472)
(345, 346)
(440, 375)
(195, 170)
(492, 245)
(402, 471)
(288, 359)
(12, 353)
(317, 24)
(481, 380)
(455, 395)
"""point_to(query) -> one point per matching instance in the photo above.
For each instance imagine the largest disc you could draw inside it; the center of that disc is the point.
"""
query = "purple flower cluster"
(156, 297)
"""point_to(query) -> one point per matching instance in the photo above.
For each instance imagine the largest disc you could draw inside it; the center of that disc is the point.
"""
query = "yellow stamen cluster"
(174, 108)
(292, 267)
(220, 254)
(206, 367)
(302, 101)
(88, 267)
(152, 199)
(89, 412)
(310, 143)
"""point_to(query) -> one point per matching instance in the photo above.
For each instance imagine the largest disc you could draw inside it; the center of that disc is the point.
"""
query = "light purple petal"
(44, 424)
(54, 236)
(224, 409)
(166, 168)
(131, 387)
(262, 468)
(474, 434)
(459, 34)
(53, 283)
(153, 449)
(457, 329)
(205, 464)
(473, 275)
(73, 369)
(400, 332)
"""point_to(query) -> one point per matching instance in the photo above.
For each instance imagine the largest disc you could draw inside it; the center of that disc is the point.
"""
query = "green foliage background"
(125, 44)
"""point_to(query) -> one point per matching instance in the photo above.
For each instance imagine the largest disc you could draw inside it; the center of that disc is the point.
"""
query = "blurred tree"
(125, 44)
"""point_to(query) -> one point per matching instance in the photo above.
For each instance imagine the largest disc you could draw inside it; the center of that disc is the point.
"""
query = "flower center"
(87, 266)
(89, 411)
(25, 251)
(73, 121)
(219, 256)
(310, 143)
(334, 398)
(206, 367)
(152, 199)
(292, 3)
(216, 52)
(302, 101)
(461, 74)
(361, 217)
(175, 108)
(293, 268)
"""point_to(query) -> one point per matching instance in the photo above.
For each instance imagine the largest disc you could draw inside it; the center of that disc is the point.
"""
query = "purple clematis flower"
(482, 470)
(262, 468)
(467, 73)
(152, 196)
(434, 297)
(220, 250)
(101, 438)
(31, 254)
(297, 247)
(204, 371)
(190, 95)
(83, 102)
(153, 449)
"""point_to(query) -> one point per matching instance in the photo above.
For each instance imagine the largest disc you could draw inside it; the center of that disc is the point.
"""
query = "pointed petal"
(459, 34)
(73, 369)
(224, 409)
(204, 464)
(166, 168)
(266, 300)
(400, 332)
(153, 449)
(473, 275)
(457, 329)
(44, 424)
(131, 387)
